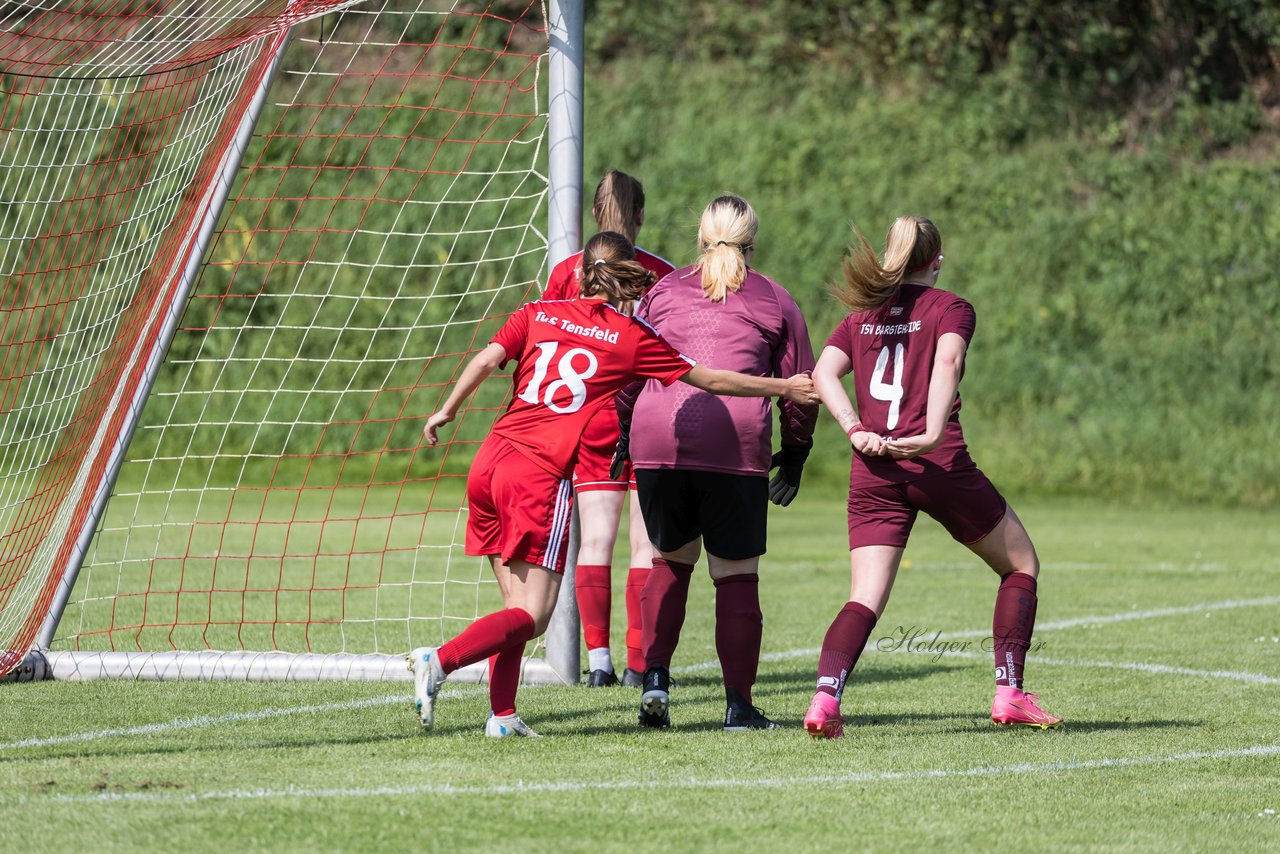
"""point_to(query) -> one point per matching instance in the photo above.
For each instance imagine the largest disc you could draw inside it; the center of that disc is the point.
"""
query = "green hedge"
(1127, 341)
(1103, 181)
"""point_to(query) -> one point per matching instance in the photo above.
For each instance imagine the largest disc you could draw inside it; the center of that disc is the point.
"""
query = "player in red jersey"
(571, 358)
(618, 207)
(905, 343)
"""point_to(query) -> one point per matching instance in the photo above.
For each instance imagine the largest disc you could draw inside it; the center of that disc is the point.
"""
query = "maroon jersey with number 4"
(892, 349)
(572, 357)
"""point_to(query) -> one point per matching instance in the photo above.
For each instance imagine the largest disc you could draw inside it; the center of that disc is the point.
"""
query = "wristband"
(857, 427)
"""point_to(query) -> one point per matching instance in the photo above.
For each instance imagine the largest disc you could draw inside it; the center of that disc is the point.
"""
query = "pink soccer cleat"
(1014, 706)
(823, 719)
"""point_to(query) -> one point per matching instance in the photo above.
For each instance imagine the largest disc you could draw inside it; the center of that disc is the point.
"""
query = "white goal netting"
(386, 215)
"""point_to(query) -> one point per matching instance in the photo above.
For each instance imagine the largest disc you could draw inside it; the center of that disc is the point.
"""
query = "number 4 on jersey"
(570, 379)
(891, 392)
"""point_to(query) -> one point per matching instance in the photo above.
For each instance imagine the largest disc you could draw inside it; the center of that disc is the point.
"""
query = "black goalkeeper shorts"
(730, 512)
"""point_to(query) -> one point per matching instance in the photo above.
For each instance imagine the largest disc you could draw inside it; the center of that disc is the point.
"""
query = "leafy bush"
(1126, 341)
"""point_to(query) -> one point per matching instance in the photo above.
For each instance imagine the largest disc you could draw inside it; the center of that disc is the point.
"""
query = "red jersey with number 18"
(892, 349)
(572, 357)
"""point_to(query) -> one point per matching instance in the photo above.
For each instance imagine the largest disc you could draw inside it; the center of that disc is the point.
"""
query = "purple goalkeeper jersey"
(757, 330)
(892, 349)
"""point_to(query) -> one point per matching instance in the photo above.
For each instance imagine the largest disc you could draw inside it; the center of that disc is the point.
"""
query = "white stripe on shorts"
(559, 523)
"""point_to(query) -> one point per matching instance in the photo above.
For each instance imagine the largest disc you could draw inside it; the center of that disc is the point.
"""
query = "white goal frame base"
(266, 667)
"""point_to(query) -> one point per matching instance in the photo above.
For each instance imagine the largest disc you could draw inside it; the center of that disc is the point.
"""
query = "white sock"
(600, 659)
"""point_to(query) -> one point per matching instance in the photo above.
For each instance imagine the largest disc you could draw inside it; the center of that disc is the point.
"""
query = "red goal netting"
(385, 216)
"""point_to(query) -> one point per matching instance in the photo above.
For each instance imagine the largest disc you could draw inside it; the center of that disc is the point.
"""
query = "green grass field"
(1159, 635)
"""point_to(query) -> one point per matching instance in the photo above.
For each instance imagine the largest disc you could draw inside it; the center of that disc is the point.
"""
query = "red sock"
(595, 601)
(739, 627)
(504, 679)
(662, 606)
(842, 646)
(1011, 625)
(636, 577)
(487, 636)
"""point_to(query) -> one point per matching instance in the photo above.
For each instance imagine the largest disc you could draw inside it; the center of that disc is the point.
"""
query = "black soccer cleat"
(740, 716)
(632, 678)
(601, 679)
(655, 699)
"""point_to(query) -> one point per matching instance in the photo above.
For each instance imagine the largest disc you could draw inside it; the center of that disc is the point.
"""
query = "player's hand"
(912, 446)
(621, 456)
(790, 465)
(869, 444)
(800, 389)
(434, 422)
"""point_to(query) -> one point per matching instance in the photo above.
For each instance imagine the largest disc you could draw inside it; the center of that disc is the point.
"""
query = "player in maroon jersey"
(702, 463)
(571, 358)
(618, 207)
(905, 343)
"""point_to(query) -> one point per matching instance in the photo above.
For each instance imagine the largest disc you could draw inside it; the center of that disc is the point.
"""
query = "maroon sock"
(636, 578)
(1011, 625)
(662, 610)
(486, 636)
(504, 679)
(739, 627)
(842, 646)
(595, 601)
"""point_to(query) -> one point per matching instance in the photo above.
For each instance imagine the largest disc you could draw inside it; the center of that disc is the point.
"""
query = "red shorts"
(963, 501)
(595, 455)
(516, 508)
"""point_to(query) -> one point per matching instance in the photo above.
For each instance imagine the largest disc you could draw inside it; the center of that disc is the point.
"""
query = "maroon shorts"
(963, 501)
(516, 508)
(595, 455)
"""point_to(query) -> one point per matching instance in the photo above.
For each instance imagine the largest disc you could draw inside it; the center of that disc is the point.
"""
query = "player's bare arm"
(477, 370)
(948, 365)
(799, 388)
(832, 365)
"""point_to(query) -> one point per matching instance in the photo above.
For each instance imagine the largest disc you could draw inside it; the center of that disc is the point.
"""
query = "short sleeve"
(513, 333)
(958, 317)
(841, 338)
(656, 359)
(563, 281)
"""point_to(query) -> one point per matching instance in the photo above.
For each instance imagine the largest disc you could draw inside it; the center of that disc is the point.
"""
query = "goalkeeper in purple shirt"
(702, 462)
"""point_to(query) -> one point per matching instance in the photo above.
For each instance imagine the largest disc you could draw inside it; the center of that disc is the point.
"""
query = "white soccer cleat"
(501, 727)
(428, 676)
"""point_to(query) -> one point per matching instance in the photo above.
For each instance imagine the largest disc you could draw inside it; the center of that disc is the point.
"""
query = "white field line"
(229, 718)
(1036, 661)
(1126, 616)
(235, 717)
(1121, 617)
(541, 787)
(1079, 566)
(1048, 566)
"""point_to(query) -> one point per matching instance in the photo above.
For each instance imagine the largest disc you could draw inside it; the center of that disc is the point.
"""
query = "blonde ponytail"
(912, 245)
(726, 233)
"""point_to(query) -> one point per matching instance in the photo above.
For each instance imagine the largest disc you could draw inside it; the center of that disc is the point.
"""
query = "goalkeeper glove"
(621, 456)
(790, 465)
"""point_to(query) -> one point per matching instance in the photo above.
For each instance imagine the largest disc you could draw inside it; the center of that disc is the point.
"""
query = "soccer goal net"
(247, 247)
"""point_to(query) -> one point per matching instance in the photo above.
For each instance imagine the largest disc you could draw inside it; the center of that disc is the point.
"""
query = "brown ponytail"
(610, 270)
(618, 203)
(913, 243)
